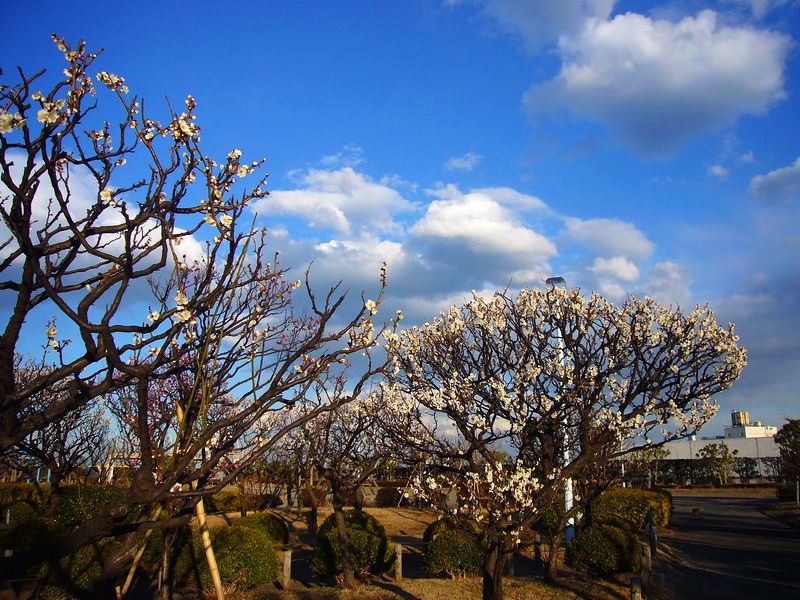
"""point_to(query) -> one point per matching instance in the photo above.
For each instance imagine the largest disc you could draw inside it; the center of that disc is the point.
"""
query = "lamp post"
(560, 282)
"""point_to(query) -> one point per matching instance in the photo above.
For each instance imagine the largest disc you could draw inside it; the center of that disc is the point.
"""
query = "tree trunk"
(242, 500)
(313, 501)
(494, 562)
(358, 499)
(551, 567)
(348, 574)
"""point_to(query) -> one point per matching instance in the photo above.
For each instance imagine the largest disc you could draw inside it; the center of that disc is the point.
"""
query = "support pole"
(398, 562)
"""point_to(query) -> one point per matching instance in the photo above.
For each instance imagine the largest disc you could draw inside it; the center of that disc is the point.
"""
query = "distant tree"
(745, 468)
(788, 440)
(718, 459)
(68, 450)
(560, 380)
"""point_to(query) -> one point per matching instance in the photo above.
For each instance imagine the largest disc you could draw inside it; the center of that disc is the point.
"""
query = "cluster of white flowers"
(10, 121)
(112, 82)
(52, 332)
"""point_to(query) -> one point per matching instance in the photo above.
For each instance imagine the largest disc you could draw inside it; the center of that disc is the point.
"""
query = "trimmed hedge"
(78, 504)
(366, 541)
(446, 523)
(270, 525)
(628, 507)
(455, 552)
(77, 574)
(604, 549)
(245, 557)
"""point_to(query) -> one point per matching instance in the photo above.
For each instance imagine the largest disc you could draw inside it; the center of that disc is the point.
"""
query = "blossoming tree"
(555, 379)
(146, 268)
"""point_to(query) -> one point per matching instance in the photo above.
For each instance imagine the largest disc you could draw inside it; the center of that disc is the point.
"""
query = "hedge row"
(630, 507)
(610, 544)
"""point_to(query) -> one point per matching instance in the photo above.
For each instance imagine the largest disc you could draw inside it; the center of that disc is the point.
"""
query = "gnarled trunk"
(551, 566)
(494, 562)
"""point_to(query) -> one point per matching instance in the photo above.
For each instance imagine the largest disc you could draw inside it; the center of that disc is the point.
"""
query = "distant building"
(754, 441)
(741, 427)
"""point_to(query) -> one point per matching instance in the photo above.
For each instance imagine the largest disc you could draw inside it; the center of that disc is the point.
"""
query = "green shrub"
(366, 541)
(76, 574)
(245, 557)
(264, 501)
(455, 552)
(270, 525)
(604, 549)
(629, 508)
(448, 522)
(391, 496)
(79, 503)
(226, 500)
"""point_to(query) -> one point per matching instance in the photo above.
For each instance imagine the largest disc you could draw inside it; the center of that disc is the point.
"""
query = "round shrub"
(446, 523)
(245, 557)
(226, 500)
(366, 541)
(604, 549)
(455, 552)
(270, 525)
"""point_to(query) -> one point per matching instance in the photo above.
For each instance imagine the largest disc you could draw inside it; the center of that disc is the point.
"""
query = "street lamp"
(560, 282)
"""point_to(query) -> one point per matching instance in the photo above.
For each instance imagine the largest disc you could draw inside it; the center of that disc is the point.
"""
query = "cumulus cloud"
(539, 23)
(467, 162)
(341, 200)
(617, 267)
(656, 82)
(480, 225)
(718, 171)
(608, 237)
(781, 184)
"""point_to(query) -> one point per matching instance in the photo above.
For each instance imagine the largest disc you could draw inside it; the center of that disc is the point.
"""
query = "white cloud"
(656, 82)
(467, 162)
(540, 23)
(617, 267)
(781, 184)
(341, 200)
(718, 171)
(668, 284)
(760, 8)
(351, 155)
(607, 237)
(479, 224)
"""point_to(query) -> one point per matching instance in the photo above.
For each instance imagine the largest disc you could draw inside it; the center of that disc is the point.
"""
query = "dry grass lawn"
(405, 525)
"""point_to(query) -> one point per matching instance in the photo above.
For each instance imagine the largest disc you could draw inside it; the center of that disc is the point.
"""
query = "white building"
(748, 440)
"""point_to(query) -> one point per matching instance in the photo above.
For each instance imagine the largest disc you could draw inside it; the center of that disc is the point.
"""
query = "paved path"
(733, 552)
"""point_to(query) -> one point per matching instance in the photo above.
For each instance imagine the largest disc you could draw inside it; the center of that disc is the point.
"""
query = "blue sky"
(632, 147)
